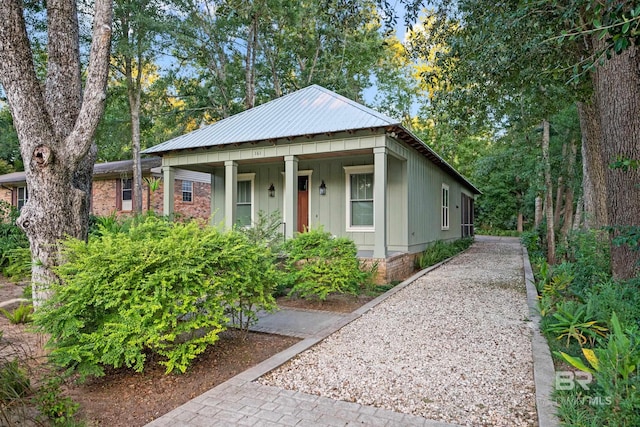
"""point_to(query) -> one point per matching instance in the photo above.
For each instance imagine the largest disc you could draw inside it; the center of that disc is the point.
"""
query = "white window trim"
(355, 170)
(444, 207)
(190, 191)
(25, 198)
(126, 205)
(248, 177)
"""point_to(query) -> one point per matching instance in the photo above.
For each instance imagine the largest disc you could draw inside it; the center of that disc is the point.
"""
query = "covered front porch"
(323, 174)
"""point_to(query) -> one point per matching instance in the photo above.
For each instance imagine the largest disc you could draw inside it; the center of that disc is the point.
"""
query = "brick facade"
(395, 268)
(105, 194)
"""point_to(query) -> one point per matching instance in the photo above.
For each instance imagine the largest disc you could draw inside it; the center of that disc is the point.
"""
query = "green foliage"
(574, 321)
(247, 277)
(614, 366)
(52, 404)
(19, 264)
(14, 382)
(440, 250)
(12, 238)
(22, 314)
(156, 287)
(319, 264)
(266, 230)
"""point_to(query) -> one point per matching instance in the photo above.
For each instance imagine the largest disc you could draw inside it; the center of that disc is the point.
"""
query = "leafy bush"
(22, 314)
(574, 321)
(319, 264)
(247, 276)
(12, 237)
(156, 287)
(266, 230)
(52, 404)
(614, 366)
(440, 250)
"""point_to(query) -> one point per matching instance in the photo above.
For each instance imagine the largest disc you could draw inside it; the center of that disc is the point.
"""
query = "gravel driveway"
(453, 346)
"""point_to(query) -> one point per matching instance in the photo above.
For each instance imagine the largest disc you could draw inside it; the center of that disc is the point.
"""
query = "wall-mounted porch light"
(323, 188)
(272, 191)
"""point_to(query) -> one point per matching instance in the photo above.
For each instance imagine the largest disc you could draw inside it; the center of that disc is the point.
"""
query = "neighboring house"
(354, 171)
(112, 189)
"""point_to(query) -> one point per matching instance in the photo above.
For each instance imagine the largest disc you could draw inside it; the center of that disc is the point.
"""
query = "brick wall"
(199, 207)
(104, 199)
(398, 267)
(5, 195)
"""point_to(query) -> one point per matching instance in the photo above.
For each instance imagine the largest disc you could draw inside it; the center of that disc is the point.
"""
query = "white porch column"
(230, 193)
(380, 201)
(291, 196)
(169, 181)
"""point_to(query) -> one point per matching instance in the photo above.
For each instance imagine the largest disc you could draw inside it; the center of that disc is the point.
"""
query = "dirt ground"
(125, 398)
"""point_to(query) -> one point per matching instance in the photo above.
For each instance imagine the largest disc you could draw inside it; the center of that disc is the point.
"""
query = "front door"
(303, 203)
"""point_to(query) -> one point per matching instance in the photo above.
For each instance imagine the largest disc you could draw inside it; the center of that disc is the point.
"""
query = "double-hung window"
(126, 194)
(445, 207)
(244, 202)
(187, 191)
(359, 186)
(22, 195)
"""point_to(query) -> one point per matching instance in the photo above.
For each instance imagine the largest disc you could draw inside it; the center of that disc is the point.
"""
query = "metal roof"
(309, 111)
(100, 170)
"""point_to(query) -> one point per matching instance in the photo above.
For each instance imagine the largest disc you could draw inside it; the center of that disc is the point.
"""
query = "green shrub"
(156, 287)
(22, 314)
(319, 264)
(247, 276)
(572, 320)
(11, 236)
(14, 382)
(52, 404)
(440, 250)
(614, 366)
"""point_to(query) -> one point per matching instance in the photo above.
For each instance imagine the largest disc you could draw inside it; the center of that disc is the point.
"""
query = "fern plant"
(22, 314)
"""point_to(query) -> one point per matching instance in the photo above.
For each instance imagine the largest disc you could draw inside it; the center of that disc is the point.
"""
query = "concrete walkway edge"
(543, 369)
(278, 359)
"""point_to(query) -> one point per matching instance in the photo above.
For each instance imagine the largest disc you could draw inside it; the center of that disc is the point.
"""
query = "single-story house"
(112, 189)
(324, 160)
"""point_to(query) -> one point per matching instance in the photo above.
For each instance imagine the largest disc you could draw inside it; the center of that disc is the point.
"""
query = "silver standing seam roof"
(310, 111)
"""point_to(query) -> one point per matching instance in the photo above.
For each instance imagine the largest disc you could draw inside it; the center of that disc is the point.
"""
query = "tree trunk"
(577, 219)
(250, 65)
(560, 190)
(617, 92)
(548, 195)
(593, 167)
(519, 228)
(134, 89)
(538, 212)
(55, 125)
(567, 215)
(134, 104)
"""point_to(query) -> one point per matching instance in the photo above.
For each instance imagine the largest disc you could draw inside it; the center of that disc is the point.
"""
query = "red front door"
(303, 203)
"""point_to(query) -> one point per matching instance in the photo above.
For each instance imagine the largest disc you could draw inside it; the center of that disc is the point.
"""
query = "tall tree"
(137, 30)
(55, 121)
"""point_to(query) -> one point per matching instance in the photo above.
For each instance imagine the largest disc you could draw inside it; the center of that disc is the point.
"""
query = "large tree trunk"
(548, 195)
(55, 125)
(593, 167)
(617, 88)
